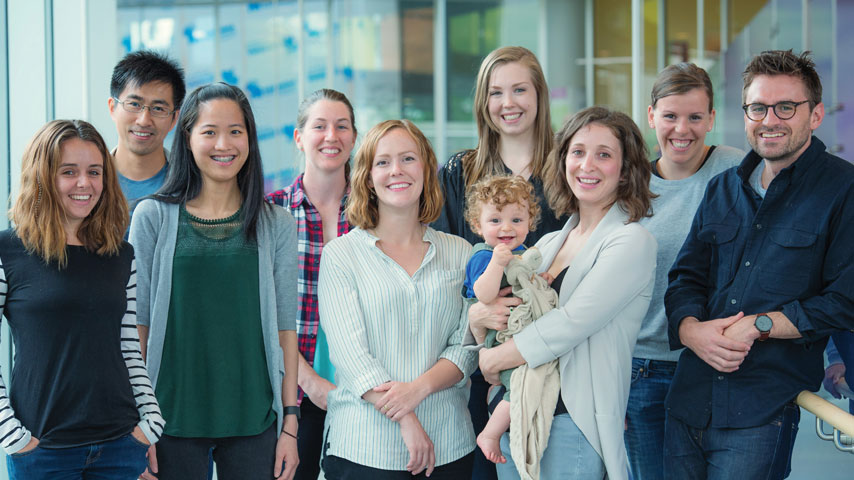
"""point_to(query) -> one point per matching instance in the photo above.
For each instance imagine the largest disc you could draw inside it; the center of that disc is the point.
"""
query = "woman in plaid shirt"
(325, 133)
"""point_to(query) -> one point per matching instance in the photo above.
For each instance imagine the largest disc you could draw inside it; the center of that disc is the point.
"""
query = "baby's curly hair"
(501, 190)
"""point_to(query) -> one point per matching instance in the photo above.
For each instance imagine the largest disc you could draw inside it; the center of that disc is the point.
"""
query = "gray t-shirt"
(673, 212)
(756, 179)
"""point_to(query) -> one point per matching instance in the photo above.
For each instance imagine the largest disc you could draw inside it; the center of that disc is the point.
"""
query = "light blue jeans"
(568, 455)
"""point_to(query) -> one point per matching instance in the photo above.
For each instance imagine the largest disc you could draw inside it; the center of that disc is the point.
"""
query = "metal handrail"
(826, 412)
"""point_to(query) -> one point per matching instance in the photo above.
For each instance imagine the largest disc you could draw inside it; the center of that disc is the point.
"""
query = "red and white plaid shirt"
(309, 248)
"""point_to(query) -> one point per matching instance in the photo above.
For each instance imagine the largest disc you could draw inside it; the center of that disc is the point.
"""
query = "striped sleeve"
(151, 421)
(341, 317)
(13, 435)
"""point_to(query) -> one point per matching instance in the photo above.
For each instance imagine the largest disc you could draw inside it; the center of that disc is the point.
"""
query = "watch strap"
(292, 410)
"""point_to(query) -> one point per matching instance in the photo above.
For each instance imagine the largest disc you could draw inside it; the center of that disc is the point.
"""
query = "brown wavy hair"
(501, 190)
(362, 208)
(38, 214)
(633, 193)
(486, 158)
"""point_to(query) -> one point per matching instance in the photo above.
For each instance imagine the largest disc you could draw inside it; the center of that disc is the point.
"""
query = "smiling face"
(775, 139)
(512, 103)
(140, 133)
(219, 141)
(508, 225)
(593, 164)
(681, 123)
(397, 172)
(79, 181)
(327, 137)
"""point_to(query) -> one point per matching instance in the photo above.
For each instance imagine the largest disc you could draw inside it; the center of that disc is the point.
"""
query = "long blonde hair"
(486, 159)
(38, 215)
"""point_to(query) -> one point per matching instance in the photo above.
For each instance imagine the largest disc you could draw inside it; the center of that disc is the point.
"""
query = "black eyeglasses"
(133, 106)
(784, 110)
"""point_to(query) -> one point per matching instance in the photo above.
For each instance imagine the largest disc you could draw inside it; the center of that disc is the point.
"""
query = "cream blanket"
(533, 391)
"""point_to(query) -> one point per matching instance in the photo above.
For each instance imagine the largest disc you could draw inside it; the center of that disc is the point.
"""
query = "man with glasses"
(146, 91)
(765, 275)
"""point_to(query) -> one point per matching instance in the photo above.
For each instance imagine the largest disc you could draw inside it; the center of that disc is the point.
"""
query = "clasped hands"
(397, 403)
(723, 343)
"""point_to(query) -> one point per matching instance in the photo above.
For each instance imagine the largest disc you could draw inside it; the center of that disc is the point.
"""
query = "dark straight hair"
(184, 180)
(146, 66)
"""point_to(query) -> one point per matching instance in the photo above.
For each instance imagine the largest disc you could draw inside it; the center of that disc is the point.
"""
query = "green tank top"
(213, 379)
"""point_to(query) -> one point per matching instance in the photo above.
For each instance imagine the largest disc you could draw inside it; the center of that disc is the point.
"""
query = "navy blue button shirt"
(792, 251)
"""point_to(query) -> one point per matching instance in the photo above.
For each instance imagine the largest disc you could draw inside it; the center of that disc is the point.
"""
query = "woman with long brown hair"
(80, 403)
(603, 265)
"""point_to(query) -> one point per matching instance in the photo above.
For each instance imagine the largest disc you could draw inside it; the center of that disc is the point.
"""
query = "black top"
(452, 220)
(70, 385)
(790, 252)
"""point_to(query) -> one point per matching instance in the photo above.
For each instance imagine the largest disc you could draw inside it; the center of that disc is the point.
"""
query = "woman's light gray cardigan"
(153, 234)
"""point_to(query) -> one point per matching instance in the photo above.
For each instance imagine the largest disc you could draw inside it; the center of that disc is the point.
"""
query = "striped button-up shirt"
(384, 325)
(309, 248)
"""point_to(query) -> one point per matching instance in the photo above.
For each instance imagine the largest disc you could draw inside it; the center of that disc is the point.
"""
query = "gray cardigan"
(154, 232)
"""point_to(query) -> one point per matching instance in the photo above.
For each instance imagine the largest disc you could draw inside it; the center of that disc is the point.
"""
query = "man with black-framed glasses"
(765, 275)
(146, 92)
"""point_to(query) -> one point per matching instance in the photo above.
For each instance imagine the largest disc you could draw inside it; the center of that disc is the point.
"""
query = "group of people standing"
(239, 329)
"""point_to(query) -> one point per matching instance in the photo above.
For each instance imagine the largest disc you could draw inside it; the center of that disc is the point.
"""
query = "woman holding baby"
(603, 264)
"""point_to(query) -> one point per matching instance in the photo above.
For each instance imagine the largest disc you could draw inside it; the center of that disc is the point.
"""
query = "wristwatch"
(763, 323)
(292, 410)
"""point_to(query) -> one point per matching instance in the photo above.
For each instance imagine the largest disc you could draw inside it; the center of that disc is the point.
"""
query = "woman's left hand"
(286, 451)
(501, 357)
(139, 436)
(400, 399)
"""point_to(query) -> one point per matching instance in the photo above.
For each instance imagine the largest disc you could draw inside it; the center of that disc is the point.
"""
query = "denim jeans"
(757, 453)
(236, 458)
(644, 434)
(120, 459)
(337, 468)
(568, 455)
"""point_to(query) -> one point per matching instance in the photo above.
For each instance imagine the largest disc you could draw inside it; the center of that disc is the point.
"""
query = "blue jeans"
(644, 434)
(120, 459)
(568, 455)
(763, 452)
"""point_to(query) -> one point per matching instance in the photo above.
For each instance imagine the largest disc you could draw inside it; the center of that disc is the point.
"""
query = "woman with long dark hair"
(217, 300)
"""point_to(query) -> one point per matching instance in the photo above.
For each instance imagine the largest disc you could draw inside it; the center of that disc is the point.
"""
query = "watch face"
(763, 323)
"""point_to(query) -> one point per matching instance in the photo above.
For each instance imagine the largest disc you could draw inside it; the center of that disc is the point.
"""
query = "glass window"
(5, 180)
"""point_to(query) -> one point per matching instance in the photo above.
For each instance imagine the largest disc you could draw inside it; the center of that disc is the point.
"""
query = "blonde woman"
(511, 109)
(391, 307)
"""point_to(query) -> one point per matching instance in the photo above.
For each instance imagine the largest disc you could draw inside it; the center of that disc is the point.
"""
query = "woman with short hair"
(391, 307)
